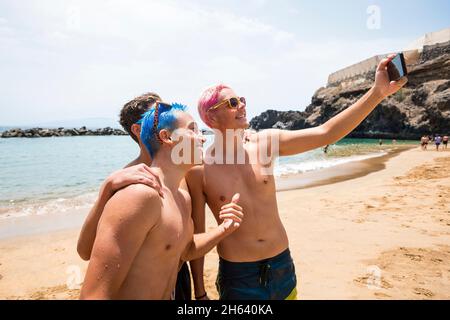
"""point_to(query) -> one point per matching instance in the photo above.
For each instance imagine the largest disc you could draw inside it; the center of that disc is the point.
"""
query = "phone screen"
(397, 68)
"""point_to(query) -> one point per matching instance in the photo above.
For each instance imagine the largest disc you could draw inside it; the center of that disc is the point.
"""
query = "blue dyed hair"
(166, 120)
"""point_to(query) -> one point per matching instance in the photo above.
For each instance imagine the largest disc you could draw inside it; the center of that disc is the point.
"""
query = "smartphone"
(397, 67)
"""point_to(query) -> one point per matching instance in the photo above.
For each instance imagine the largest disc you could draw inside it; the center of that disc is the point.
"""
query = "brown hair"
(132, 111)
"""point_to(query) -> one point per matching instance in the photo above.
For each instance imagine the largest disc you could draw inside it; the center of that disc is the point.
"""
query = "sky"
(62, 60)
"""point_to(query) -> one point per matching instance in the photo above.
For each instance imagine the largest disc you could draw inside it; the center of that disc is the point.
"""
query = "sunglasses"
(233, 103)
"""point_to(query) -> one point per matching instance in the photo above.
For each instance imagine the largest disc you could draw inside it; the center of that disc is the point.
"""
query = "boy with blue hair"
(142, 238)
(134, 172)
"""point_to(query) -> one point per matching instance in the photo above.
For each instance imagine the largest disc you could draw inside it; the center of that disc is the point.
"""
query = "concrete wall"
(369, 65)
(354, 70)
(430, 39)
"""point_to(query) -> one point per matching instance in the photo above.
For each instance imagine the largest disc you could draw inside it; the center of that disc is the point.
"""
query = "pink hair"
(208, 98)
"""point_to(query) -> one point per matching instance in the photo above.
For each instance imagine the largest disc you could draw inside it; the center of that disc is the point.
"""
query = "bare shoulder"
(140, 193)
(265, 136)
(267, 133)
(135, 202)
(263, 139)
(195, 174)
(251, 136)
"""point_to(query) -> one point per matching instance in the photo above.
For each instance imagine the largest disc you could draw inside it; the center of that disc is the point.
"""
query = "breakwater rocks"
(61, 132)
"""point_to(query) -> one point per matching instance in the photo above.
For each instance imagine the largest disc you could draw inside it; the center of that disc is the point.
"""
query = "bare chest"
(174, 229)
(222, 181)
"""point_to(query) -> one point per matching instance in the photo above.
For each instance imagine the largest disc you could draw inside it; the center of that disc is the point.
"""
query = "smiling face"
(225, 117)
(187, 133)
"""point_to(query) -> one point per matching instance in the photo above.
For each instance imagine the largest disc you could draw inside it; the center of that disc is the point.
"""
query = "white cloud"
(258, 3)
(93, 56)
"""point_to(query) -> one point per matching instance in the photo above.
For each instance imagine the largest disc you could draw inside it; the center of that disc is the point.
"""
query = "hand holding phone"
(390, 75)
(397, 67)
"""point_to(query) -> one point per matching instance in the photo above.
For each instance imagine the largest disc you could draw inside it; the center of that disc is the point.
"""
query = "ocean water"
(51, 175)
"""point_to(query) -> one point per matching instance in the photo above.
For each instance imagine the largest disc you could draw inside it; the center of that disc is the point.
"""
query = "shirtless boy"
(255, 261)
(134, 172)
(142, 237)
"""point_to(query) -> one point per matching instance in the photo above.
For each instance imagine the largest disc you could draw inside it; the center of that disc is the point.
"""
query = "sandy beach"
(381, 234)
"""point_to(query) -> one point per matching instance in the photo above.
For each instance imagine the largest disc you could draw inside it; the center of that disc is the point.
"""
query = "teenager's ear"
(136, 130)
(164, 135)
(212, 119)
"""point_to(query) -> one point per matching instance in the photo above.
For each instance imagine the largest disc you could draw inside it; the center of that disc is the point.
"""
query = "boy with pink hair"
(255, 261)
(209, 98)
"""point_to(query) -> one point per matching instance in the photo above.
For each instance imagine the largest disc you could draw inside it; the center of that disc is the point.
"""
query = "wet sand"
(342, 172)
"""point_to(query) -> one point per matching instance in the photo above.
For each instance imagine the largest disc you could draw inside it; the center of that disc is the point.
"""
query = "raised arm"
(298, 141)
(132, 175)
(125, 223)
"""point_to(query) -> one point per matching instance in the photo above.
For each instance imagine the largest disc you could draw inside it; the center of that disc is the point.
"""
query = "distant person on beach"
(445, 141)
(135, 172)
(380, 142)
(424, 142)
(255, 261)
(142, 237)
(325, 149)
(394, 142)
(437, 142)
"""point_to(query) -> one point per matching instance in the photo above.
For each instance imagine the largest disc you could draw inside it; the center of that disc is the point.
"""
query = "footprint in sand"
(368, 279)
(57, 292)
(437, 260)
(445, 221)
(414, 257)
(382, 295)
(424, 292)
(1, 277)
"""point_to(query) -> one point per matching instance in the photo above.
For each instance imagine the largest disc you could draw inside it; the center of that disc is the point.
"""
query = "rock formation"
(421, 107)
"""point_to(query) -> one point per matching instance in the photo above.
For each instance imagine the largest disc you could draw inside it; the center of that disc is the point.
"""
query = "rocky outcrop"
(434, 51)
(421, 107)
(61, 132)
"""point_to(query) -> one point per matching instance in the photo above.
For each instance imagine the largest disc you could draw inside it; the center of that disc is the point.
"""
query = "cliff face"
(421, 107)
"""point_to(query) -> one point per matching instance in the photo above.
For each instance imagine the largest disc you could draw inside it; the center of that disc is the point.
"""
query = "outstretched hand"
(231, 214)
(140, 173)
(383, 85)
